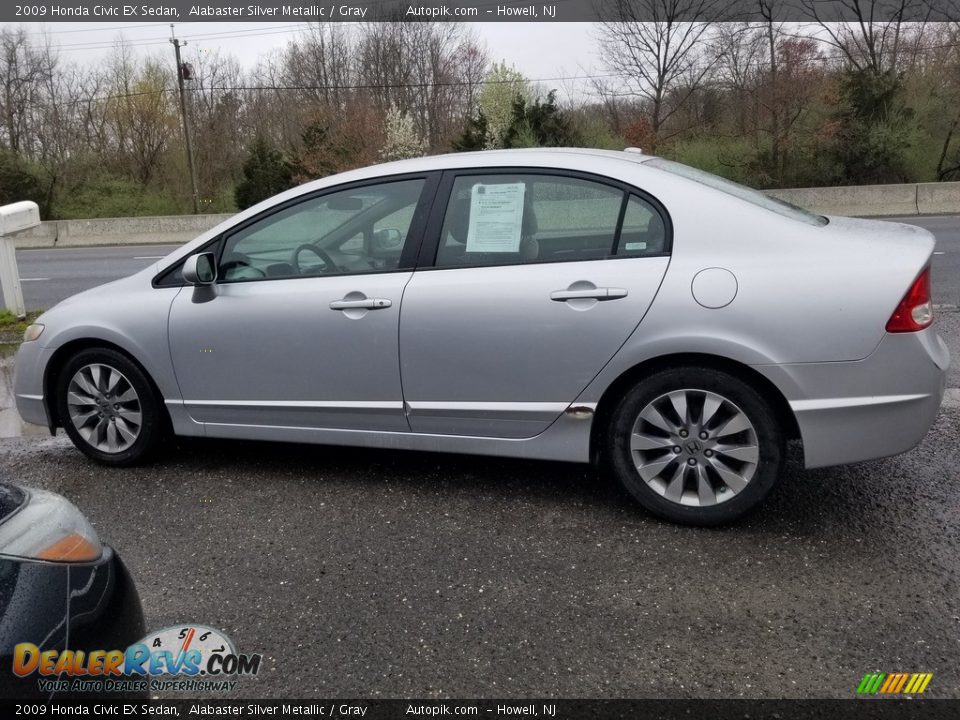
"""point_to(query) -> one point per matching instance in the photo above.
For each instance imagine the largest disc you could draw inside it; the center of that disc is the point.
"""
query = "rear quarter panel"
(805, 293)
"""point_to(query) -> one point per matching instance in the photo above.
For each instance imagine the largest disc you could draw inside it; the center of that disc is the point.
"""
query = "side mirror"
(200, 269)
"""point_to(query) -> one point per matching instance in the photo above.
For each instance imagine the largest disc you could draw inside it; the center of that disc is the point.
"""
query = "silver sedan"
(576, 305)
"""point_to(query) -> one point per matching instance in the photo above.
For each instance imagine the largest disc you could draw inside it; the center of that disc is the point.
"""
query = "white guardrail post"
(14, 218)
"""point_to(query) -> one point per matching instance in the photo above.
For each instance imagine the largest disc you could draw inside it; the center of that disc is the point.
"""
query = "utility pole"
(181, 70)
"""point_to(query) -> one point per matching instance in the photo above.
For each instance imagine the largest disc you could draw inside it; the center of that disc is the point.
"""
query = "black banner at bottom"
(873, 709)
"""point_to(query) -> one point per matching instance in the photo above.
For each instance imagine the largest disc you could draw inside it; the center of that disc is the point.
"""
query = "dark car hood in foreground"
(58, 606)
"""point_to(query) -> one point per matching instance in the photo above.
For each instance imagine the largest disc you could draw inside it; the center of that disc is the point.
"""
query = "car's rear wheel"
(695, 445)
(109, 408)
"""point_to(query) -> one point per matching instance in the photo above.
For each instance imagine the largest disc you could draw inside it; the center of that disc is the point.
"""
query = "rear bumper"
(879, 406)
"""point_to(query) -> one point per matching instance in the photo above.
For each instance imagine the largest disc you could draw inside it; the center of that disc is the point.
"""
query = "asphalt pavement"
(946, 259)
(374, 573)
(50, 275)
(371, 574)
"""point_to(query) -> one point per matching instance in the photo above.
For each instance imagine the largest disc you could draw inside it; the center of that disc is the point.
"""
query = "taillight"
(915, 311)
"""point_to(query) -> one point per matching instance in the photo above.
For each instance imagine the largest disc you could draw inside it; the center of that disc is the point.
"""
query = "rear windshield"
(739, 191)
(11, 498)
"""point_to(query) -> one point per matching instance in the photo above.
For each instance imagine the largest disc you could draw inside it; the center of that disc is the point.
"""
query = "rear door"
(529, 281)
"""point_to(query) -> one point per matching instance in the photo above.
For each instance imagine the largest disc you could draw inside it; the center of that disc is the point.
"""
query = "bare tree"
(422, 69)
(216, 107)
(321, 64)
(273, 112)
(879, 34)
(740, 47)
(141, 112)
(655, 55)
(946, 66)
(24, 71)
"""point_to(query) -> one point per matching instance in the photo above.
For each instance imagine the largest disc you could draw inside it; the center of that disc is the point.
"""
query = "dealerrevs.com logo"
(183, 658)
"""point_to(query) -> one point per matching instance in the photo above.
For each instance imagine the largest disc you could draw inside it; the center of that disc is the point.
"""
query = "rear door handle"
(364, 304)
(588, 294)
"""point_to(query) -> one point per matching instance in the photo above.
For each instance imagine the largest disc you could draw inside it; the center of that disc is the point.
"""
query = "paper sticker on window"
(636, 246)
(496, 218)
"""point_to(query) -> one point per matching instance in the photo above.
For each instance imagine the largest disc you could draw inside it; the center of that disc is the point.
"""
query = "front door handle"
(364, 304)
(593, 293)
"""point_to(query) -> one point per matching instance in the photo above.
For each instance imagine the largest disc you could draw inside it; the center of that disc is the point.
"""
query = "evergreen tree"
(18, 182)
(874, 129)
(539, 123)
(533, 123)
(265, 173)
(474, 135)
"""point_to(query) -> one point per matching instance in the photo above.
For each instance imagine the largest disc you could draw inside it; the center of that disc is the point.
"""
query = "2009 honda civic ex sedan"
(577, 305)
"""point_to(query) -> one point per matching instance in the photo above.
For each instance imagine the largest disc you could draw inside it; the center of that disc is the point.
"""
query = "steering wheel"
(238, 267)
(328, 263)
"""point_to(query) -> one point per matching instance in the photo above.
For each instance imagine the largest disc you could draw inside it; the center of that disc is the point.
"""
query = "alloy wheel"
(694, 447)
(104, 408)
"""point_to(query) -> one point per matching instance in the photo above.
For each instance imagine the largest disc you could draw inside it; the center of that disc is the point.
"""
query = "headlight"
(49, 527)
(32, 332)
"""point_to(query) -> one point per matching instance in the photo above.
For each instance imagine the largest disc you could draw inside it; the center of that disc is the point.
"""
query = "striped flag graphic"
(894, 683)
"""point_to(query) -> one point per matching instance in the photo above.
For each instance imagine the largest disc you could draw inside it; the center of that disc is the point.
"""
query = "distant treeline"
(766, 104)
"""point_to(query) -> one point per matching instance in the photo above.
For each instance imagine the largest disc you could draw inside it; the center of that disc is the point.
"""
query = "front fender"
(136, 326)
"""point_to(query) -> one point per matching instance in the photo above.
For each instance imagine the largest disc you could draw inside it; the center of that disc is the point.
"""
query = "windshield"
(739, 191)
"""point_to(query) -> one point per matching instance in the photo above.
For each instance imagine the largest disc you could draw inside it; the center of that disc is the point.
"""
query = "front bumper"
(879, 406)
(28, 373)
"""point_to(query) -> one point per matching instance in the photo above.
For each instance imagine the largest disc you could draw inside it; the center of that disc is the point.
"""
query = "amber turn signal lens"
(71, 548)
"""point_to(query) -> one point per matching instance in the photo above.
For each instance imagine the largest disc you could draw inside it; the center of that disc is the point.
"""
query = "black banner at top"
(185, 11)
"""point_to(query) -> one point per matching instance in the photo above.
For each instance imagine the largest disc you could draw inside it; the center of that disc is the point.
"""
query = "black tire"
(153, 426)
(770, 444)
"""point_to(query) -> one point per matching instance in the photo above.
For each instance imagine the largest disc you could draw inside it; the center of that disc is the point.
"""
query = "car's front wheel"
(109, 408)
(695, 445)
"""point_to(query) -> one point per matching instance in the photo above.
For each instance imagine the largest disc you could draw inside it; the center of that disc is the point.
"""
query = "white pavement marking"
(951, 398)
(149, 257)
(941, 252)
(33, 279)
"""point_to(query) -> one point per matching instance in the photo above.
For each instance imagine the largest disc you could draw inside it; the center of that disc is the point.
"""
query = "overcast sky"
(539, 50)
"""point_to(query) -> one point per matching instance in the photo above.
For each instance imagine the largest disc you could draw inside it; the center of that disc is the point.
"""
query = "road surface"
(377, 573)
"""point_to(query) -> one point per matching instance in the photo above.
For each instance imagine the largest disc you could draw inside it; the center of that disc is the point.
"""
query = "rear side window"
(504, 219)
(643, 231)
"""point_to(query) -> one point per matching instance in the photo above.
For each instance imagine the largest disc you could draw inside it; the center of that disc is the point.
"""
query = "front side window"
(359, 230)
(502, 219)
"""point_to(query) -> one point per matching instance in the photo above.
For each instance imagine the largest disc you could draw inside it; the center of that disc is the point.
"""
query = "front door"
(300, 330)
